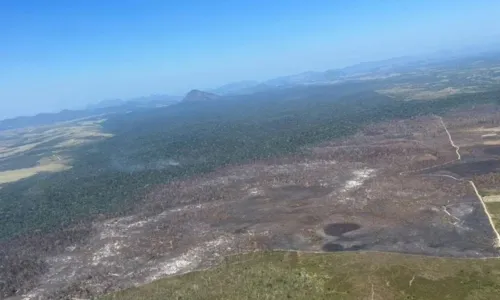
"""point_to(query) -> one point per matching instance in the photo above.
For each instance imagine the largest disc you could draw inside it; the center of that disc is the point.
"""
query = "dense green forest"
(160, 145)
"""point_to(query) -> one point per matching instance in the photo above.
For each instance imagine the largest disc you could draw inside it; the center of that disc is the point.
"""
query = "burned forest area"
(176, 189)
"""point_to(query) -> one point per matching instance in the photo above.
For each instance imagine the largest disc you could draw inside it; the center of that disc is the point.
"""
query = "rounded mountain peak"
(197, 96)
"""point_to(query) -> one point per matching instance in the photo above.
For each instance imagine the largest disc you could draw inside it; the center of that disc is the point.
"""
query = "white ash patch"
(71, 248)
(119, 228)
(255, 191)
(274, 169)
(189, 260)
(299, 167)
(225, 180)
(33, 295)
(63, 269)
(109, 250)
(325, 183)
(488, 135)
(184, 208)
(315, 164)
(172, 266)
(360, 177)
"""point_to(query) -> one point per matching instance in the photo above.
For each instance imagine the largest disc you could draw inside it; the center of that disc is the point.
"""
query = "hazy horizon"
(67, 55)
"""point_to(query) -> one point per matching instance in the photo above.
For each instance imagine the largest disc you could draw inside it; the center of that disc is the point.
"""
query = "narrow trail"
(449, 214)
(490, 219)
(444, 175)
(412, 279)
(457, 148)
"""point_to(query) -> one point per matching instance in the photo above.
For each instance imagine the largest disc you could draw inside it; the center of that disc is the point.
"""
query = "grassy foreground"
(342, 275)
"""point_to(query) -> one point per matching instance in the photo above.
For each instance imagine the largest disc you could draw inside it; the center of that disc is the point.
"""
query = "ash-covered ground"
(379, 190)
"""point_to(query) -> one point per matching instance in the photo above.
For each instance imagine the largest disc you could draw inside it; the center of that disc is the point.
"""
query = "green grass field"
(342, 275)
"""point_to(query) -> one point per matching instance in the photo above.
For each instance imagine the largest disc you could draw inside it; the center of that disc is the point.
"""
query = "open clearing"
(420, 93)
(30, 151)
(495, 198)
(15, 175)
(346, 275)
(388, 188)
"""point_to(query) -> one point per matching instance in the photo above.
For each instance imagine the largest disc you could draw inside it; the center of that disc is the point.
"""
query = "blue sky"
(58, 54)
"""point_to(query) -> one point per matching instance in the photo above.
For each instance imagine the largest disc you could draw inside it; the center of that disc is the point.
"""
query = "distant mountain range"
(358, 71)
(147, 101)
(325, 77)
(101, 108)
(234, 87)
(361, 71)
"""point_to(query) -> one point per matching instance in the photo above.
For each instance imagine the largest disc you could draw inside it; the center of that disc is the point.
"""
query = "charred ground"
(324, 168)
